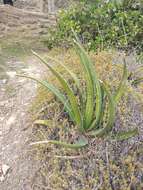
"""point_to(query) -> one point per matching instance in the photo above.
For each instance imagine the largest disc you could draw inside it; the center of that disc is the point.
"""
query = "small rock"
(3, 172)
(4, 81)
(5, 169)
(2, 178)
(11, 74)
(1, 118)
(11, 120)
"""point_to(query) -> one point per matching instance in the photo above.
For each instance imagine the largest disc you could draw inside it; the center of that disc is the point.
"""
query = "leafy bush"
(85, 102)
(100, 25)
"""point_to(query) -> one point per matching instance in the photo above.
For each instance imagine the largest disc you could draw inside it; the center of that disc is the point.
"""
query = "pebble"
(3, 172)
(5, 169)
(11, 74)
(11, 120)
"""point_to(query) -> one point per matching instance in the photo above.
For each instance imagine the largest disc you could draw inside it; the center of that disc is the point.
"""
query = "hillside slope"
(27, 23)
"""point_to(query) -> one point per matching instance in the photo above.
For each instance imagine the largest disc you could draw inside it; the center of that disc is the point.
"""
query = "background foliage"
(101, 24)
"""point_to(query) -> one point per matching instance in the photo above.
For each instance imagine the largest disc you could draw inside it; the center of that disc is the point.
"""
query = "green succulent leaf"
(90, 89)
(93, 86)
(99, 109)
(74, 77)
(55, 91)
(111, 116)
(120, 91)
(68, 91)
(82, 142)
(124, 135)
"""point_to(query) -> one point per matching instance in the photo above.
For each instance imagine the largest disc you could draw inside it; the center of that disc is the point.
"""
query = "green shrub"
(101, 25)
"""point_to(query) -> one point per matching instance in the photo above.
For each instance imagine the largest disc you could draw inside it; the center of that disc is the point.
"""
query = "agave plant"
(87, 114)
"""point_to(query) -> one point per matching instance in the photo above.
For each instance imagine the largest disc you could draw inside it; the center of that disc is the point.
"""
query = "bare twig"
(69, 157)
(109, 169)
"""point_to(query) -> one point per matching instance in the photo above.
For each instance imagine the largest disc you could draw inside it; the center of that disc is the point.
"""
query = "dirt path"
(18, 27)
(16, 94)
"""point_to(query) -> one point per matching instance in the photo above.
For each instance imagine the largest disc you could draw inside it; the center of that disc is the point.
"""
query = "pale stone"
(11, 120)
(2, 178)
(11, 74)
(5, 169)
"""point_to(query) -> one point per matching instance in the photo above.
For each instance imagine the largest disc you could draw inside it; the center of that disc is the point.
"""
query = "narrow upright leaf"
(68, 91)
(111, 116)
(93, 87)
(56, 92)
(121, 88)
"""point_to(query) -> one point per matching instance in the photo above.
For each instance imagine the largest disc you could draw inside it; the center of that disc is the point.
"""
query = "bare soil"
(17, 28)
(15, 125)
